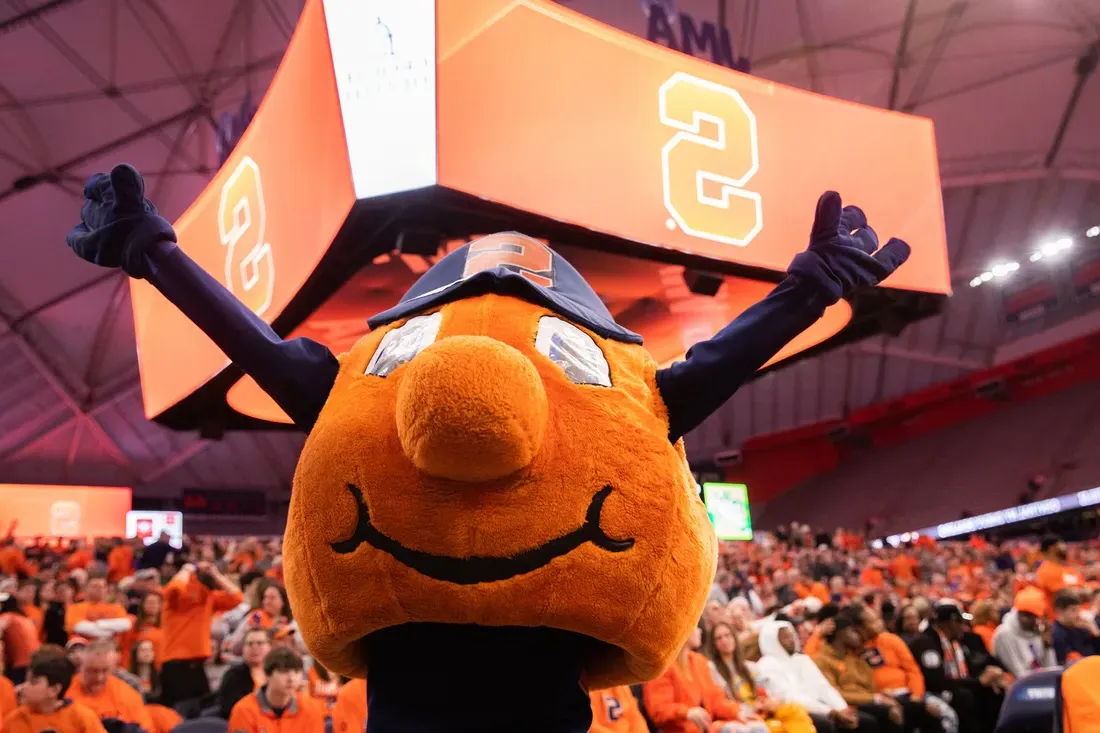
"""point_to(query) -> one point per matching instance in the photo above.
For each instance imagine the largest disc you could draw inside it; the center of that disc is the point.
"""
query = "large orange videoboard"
(264, 221)
(528, 104)
(64, 511)
(552, 112)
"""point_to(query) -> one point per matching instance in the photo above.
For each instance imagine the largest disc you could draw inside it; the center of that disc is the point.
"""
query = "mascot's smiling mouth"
(480, 569)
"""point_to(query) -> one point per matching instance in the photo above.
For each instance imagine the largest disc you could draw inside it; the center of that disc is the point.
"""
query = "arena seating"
(977, 466)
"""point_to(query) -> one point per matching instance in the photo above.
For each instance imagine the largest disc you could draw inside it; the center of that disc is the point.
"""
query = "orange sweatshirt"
(188, 610)
(8, 702)
(350, 712)
(21, 640)
(129, 639)
(616, 711)
(71, 718)
(253, 714)
(163, 719)
(894, 666)
(116, 700)
(1080, 697)
(120, 563)
(87, 611)
(1051, 578)
(669, 697)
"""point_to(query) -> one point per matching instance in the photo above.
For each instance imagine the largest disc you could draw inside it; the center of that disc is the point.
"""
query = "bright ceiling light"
(985, 277)
(1036, 256)
(1054, 246)
(1093, 232)
(1003, 269)
(976, 281)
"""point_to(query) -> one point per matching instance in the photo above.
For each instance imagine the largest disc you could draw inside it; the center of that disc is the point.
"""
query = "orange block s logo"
(242, 224)
(705, 169)
(534, 261)
(65, 519)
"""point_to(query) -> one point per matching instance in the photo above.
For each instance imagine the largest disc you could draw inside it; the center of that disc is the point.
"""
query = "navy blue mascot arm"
(843, 255)
(120, 228)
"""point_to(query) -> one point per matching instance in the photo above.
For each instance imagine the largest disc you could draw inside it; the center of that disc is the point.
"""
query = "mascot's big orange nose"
(471, 408)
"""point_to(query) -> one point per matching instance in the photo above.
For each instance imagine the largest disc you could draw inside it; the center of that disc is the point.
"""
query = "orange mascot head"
(496, 453)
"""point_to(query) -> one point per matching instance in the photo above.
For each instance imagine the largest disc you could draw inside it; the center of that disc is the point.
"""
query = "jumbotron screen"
(728, 509)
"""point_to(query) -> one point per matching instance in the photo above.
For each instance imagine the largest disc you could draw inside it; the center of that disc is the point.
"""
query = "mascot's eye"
(400, 345)
(573, 350)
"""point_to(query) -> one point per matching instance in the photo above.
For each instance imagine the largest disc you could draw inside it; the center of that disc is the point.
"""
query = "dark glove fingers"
(893, 254)
(852, 218)
(866, 240)
(93, 187)
(76, 237)
(827, 218)
(129, 189)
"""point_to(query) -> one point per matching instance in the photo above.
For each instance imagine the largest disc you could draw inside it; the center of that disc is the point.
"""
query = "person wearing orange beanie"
(1020, 642)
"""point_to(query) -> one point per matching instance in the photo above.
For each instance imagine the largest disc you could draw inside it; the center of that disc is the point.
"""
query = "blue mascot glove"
(844, 254)
(117, 222)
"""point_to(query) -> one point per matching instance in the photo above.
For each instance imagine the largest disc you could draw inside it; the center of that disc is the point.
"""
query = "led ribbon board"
(528, 104)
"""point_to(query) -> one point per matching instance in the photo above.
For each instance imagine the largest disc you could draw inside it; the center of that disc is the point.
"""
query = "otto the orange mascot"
(493, 512)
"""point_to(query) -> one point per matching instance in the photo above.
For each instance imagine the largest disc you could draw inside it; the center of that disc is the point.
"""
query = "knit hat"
(1031, 600)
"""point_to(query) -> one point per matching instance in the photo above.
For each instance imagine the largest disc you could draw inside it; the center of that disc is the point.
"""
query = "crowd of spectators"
(809, 631)
(802, 632)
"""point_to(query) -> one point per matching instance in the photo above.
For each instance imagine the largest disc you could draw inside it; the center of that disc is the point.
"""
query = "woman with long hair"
(142, 663)
(270, 611)
(146, 628)
(686, 699)
(986, 620)
(732, 673)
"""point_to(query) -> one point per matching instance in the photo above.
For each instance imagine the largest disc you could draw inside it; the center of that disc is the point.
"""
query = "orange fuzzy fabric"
(434, 448)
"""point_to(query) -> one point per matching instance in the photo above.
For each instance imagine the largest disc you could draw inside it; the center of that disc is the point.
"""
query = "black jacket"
(236, 683)
(928, 652)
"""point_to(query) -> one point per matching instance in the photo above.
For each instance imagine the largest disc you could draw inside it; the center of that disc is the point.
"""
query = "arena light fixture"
(1055, 246)
(1093, 232)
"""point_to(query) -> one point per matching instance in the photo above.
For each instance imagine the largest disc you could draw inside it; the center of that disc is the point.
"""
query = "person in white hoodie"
(1019, 642)
(791, 677)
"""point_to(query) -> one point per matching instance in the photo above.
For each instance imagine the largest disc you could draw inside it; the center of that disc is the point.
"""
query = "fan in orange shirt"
(904, 568)
(12, 559)
(97, 687)
(7, 689)
(28, 596)
(146, 627)
(686, 698)
(616, 711)
(94, 618)
(350, 712)
(190, 600)
(270, 611)
(80, 557)
(43, 705)
(1053, 574)
(279, 705)
(20, 637)
(985, 622)
(120, 561)
(324, 686)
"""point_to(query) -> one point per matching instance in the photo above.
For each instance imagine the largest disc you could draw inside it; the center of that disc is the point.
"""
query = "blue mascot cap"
(514, 264)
